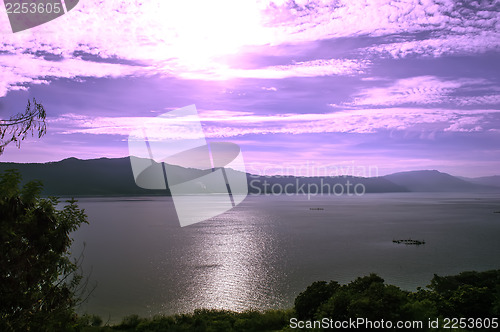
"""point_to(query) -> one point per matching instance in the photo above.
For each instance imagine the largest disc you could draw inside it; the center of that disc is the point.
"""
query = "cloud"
(425, 90)
(313, 20)
(18, 70)
(469, 43)
(272, 88)
(189, 39)
(430, 27)
(414, 90)
(226, 124)
(492, 99)
(466, 124)
(314, 68)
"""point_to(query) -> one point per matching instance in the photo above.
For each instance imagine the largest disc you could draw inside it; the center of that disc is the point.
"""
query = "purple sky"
(391, 85)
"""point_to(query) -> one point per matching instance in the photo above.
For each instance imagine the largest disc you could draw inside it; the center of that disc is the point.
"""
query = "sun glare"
(197, 31)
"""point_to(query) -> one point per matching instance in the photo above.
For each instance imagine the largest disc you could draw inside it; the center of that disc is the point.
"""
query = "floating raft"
(409, 242)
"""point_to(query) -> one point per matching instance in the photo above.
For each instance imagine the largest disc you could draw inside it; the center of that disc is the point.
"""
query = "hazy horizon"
(342, 170)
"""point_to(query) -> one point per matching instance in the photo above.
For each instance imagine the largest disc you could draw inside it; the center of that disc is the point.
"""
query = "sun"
(198, 31)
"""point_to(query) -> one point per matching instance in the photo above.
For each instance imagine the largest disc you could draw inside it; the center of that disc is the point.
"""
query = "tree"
(19, 126)
(468, 294)
(366, 297)
(38, 281)
(308, 302)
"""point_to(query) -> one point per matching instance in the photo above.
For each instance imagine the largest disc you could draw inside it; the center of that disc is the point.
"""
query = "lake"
(264, 252)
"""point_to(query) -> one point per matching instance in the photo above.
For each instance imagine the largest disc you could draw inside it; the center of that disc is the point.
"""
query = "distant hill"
(77, 177)
(113, 177)
(333, 185)
(435, 181)
(485, 180)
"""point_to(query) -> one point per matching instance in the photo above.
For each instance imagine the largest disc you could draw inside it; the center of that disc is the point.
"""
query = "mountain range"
(113, 177)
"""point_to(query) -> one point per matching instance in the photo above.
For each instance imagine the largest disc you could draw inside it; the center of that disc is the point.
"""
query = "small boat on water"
(409, 242)
(317, 208)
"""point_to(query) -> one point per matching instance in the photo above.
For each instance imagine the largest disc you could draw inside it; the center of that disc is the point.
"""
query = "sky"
(300, 86)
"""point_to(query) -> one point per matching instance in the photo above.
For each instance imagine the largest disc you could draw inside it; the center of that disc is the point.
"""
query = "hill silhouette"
(113, 177)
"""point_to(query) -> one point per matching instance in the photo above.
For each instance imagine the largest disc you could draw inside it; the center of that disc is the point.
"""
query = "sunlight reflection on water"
(264, 252)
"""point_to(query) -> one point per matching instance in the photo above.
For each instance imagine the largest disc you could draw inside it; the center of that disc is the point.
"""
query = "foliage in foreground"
(38, 282)
(19, 126)
(469, 294)
(203, 320)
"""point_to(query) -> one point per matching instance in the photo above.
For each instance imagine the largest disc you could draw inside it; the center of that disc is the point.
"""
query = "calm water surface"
(264, 252)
